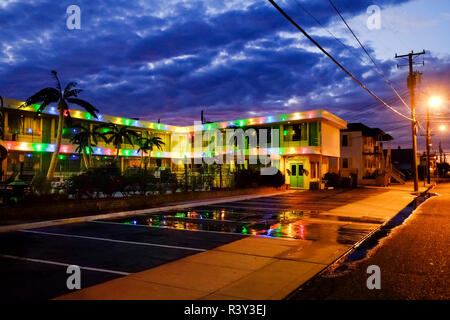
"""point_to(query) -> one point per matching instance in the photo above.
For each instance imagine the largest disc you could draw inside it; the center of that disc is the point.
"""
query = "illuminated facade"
(362, 152)
(308, 143)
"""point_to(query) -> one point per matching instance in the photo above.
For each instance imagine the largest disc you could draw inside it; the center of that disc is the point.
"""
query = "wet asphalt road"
(113, 250)
(33, 263)
(414, 261)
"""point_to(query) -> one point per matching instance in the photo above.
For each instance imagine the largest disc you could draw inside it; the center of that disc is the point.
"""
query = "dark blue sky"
(235, 59)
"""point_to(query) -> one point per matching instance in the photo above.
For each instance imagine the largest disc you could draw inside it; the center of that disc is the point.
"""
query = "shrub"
(276, 180)
(40, 185)
(102, 180)
(245, 178)
(332, 179)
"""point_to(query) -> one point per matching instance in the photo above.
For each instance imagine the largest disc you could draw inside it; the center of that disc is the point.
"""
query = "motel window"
(345, 163)
(68, 163)
(345, 140)
(287, 133)
(314, 133)
(68, 132)
(19, 124)
(13, 123)
(31, 162)
(296, 132)
(32, 126)
(300, 132)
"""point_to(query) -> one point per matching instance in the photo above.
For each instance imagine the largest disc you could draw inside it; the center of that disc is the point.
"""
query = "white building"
(362, 153)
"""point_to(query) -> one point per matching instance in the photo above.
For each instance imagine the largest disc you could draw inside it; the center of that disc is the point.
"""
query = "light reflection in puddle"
(287, 224)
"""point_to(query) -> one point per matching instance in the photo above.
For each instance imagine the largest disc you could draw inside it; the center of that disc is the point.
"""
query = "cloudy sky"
(235, 59)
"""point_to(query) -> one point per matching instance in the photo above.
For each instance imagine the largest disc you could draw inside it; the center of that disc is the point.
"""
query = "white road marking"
(62, 264)
(170, 228)
(112, 240)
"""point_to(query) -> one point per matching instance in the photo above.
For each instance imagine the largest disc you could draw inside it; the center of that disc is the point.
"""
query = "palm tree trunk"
(55, 155)
(89, 147)
(85, 161)
(117, 152)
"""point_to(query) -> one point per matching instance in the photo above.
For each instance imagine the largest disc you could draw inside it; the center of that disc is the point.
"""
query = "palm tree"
(3, 147)
(147, 144)
(62, 97)
(2, 120)
(118, 135)
(85, 138)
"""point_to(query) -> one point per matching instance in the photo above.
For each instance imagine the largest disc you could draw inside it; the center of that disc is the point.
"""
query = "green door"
(296, 175)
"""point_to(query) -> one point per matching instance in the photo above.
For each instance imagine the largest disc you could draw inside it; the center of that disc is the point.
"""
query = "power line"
(356, 56)
(380, 71)
(333, 59)
(373, 105)
(327, 30)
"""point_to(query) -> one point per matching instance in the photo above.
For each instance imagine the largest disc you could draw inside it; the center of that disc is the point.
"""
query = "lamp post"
(432, 102)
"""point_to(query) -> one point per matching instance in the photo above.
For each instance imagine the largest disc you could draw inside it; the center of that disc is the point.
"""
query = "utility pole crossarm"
(410, 54)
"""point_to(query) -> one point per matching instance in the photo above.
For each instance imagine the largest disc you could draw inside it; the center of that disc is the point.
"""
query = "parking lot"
(34, 261)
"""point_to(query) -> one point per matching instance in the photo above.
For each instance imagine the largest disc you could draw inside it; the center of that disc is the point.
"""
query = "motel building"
(305, 145)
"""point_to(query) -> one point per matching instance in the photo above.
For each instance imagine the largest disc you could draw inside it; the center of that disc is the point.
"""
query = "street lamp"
(433, 102)
(442, 127)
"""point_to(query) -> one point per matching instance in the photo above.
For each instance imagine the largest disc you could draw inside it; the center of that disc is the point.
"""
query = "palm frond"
(43, 106)
(72, 93)
(58, 83)
(97, 133)
(69, 86)
(128, 138)
(86, 105)
(46, 94)
(79, 126)
(79, 149)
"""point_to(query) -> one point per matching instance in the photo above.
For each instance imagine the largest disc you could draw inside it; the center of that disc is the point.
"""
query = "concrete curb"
(121, 214)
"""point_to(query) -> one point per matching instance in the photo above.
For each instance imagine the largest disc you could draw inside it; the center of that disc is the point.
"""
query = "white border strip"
(111, 240)
(62, 264)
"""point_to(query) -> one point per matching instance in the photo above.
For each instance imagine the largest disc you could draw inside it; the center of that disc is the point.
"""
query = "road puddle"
(284, 224)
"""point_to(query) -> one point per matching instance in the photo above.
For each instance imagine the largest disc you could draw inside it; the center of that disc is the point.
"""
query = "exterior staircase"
(396, 175)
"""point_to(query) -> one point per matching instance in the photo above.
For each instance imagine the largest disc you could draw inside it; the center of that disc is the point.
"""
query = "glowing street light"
(442, 127)
(435, 101)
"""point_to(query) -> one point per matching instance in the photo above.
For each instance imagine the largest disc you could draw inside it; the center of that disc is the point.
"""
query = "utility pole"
(411, 83)
(428, 141)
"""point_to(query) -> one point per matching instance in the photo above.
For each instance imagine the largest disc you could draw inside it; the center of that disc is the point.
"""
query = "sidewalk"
(252, 268)
(414, 260)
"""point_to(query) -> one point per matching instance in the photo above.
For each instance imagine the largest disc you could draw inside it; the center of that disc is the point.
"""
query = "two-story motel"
(307, 146)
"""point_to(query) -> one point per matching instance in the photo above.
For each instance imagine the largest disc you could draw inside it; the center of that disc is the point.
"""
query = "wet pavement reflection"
(294, 224)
